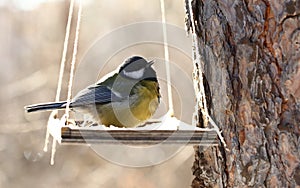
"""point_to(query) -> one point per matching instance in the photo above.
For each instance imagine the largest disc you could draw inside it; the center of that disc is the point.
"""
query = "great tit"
(126, 99)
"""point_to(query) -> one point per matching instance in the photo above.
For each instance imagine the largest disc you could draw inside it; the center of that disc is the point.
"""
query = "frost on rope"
(52, 122)
(52, 130)
(167, 57)
(61, 71)
(198, 78)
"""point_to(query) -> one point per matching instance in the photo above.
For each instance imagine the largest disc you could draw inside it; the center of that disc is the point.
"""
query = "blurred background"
(31, 41)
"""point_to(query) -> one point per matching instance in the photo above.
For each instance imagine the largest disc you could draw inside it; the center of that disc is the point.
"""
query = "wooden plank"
(134, 137)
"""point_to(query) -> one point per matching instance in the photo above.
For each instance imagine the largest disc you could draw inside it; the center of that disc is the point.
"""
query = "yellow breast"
(141, 106)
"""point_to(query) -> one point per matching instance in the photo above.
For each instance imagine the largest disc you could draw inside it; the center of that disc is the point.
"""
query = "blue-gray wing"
(96, 94)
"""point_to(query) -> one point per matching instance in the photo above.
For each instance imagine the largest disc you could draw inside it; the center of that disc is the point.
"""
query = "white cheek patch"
(135, 74)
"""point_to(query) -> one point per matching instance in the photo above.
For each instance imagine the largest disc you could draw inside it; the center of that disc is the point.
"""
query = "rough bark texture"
(251, 55)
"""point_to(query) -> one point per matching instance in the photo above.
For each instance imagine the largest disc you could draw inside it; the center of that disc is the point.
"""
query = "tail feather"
(45, 106)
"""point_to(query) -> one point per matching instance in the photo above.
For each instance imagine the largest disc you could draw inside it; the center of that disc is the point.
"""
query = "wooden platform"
(168, 131)
(139, 137)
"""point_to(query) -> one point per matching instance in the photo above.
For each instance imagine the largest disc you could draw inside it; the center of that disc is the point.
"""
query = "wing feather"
(96, 94)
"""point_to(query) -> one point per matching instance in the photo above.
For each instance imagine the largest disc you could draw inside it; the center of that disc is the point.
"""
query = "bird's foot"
(149, 122)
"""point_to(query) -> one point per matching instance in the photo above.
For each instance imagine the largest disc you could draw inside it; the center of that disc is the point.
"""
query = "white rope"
(62, 66)
(167, 58)
(200, 92)
(53, 151)
(64, 54)
(61, 71)
(75, 48)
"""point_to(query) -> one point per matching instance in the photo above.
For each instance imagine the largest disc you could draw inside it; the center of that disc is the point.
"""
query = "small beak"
(150, 63)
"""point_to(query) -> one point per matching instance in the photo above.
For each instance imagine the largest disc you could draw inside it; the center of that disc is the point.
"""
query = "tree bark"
(251, 56)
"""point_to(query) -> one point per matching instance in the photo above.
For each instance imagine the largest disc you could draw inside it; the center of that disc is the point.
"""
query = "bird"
(127, 99)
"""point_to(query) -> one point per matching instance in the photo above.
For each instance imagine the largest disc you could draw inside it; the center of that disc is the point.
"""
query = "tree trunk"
(251, 56)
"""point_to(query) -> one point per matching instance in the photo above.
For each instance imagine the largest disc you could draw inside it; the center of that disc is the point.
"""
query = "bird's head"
(138, 68)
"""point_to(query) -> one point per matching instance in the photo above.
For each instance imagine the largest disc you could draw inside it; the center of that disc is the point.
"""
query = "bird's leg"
(86, 121)
(70, 122)
(149, 122)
